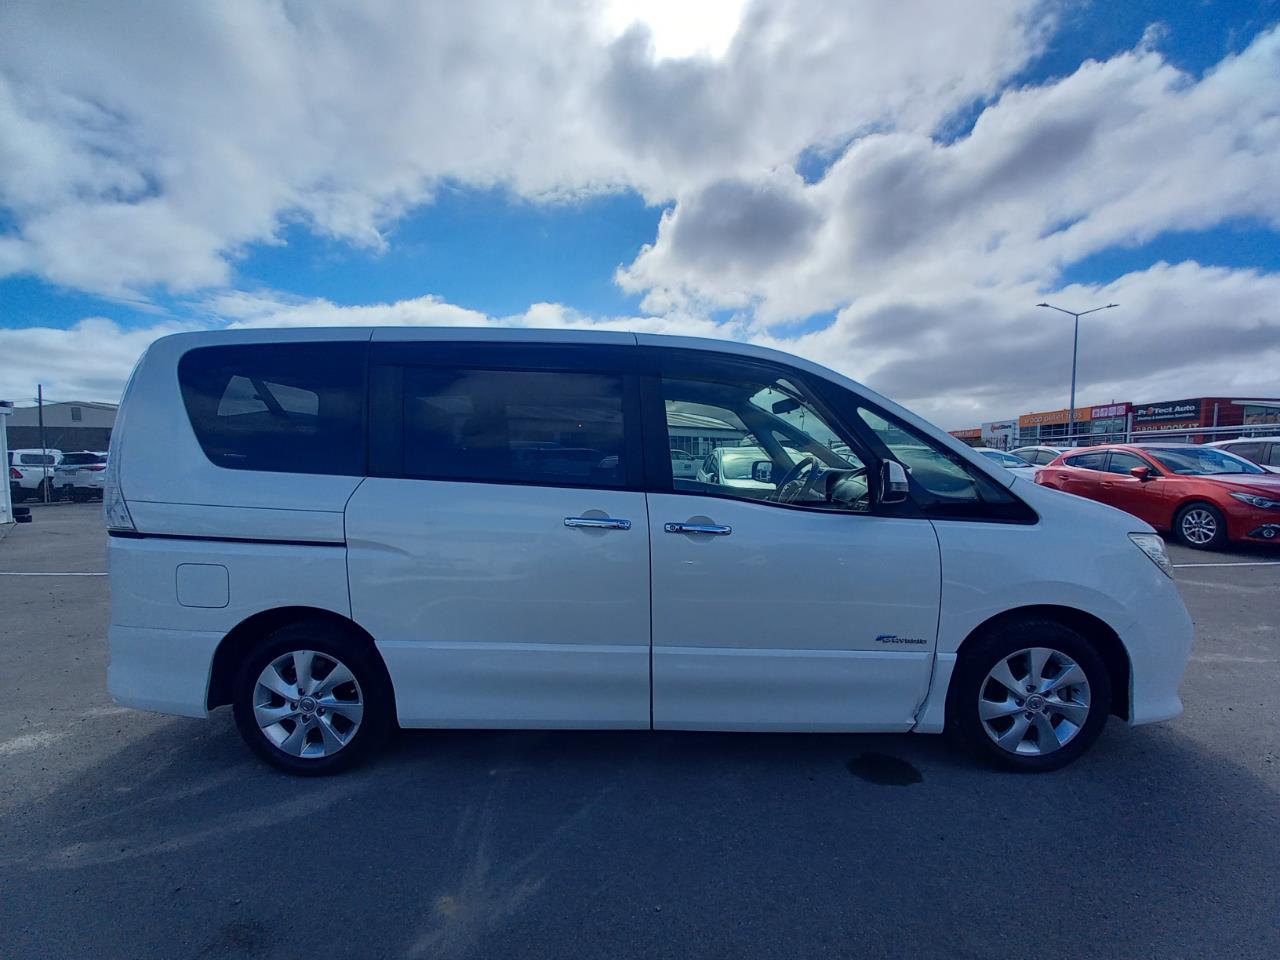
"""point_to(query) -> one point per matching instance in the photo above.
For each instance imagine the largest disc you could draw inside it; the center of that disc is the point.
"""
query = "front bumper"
(1265, 531)
(1159, 647)
(1247, 522)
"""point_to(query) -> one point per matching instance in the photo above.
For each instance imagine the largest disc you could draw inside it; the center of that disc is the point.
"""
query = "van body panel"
(489, 611)
(241, 523)
(796, 619)
(162, 650)
(990, 569)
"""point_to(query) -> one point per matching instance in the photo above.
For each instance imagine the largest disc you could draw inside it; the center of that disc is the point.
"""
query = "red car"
(1203, 495)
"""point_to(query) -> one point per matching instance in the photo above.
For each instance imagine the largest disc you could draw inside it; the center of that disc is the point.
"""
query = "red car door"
(1145, 499)
(1080, 474)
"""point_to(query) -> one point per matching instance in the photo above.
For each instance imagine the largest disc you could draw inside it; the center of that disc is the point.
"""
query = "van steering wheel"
(792, 477)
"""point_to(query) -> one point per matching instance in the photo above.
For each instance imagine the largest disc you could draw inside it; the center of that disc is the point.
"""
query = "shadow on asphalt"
(511, 844)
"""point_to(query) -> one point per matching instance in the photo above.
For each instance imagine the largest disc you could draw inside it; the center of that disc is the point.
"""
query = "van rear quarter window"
(280, 407)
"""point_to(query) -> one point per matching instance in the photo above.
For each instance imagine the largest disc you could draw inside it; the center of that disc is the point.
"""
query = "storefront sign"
(1110, 411)
(1083, 414)
(1170, 411)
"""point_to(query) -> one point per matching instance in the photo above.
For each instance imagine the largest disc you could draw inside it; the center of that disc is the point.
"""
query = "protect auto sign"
(1179, 411)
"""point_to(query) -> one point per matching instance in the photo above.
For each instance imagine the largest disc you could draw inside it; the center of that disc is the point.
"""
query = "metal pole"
(6, 498)
(1075, 352)
(44, 452)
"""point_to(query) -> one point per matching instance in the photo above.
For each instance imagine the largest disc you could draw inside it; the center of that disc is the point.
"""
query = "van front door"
(500, 557)
(780, 599)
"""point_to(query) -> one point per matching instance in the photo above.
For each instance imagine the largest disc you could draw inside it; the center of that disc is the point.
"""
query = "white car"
(1014, 464)
(1264, 451)
(339, 531)
(732, 466)
(684, 464)
(31, 474)
(78, 475)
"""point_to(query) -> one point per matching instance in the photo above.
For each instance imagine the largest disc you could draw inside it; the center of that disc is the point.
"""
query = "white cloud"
(145, 145)
(1114, 154)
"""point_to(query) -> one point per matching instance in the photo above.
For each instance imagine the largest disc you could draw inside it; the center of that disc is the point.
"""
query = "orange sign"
(1083, 414)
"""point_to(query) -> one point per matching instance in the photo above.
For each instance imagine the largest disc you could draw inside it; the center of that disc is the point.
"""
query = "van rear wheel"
(1031, 696)
(312, 699)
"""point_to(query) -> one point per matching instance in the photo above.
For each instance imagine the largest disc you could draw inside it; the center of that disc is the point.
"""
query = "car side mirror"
(762, 471)
(893, 482)
(1142, 473)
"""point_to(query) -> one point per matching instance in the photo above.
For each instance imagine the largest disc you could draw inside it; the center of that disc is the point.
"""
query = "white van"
(340, 531)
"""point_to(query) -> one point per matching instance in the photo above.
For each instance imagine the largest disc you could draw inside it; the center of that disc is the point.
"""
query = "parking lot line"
(7, 573)
(1237, 563)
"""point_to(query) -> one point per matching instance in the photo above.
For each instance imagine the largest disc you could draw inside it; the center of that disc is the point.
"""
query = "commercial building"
(1194, 419)
(1191, 412)
(1106, 423)
(68, 426)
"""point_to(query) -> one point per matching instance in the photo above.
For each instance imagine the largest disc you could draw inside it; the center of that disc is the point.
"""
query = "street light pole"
(1075, 352)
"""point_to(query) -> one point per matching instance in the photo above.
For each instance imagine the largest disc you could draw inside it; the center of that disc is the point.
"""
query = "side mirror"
(1142, 473)
(893, 482)
(762, 471)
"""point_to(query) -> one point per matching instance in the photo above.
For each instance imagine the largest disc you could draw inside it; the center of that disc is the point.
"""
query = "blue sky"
(558, 196)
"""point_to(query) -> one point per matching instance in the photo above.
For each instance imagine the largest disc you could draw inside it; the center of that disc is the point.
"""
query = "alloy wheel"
(308, 704)
(1034, 701)
(1199, 526)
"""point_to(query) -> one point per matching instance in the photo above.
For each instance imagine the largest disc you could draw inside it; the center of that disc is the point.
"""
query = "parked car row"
(1204, 495)
(53, 475)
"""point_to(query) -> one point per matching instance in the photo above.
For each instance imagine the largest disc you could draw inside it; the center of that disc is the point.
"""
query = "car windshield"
(1201, 461)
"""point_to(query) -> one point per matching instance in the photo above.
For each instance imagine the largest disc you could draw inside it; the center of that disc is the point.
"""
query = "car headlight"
(1254, 500)
(1153, 546)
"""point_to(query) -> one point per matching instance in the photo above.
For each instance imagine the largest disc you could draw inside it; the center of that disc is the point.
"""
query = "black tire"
(78, 496)
(1185, 513)
(331, 640)
(984, 653)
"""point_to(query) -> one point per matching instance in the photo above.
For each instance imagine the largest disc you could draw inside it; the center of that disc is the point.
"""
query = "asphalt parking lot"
(131, 835)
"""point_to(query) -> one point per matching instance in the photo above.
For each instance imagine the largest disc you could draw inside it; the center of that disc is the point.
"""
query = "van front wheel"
(312, 700)
(1032, 695)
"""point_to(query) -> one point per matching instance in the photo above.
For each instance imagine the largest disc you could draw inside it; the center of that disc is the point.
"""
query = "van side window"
(765, 440)
(532, 427)
(281, 407)
(943, 484)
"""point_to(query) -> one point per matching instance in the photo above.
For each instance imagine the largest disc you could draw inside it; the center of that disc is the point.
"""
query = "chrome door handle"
(597, 523)
(713, 529)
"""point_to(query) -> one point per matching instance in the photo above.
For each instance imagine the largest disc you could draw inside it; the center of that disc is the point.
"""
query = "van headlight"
(1153, 546)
